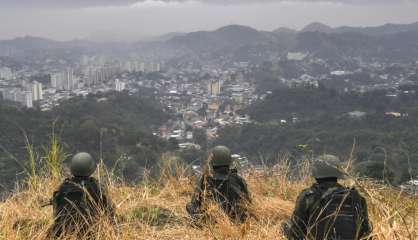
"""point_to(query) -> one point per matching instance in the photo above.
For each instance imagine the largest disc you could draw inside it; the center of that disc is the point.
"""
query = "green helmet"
(221, 156)
(82, 165)
(326, 166)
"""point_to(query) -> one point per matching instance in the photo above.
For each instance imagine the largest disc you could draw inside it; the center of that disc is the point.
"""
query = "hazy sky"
(132, 19)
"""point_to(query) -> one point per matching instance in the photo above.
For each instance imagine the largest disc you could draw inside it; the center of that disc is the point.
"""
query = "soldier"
(79, 200)
(327, 210)
(224, 186)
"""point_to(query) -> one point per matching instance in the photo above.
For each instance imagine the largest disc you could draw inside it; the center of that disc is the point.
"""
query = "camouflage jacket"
(69, 214)
(301, 220)
(226, 188)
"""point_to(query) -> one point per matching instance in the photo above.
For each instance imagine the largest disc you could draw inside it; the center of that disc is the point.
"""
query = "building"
(141, 67)
(37, 93)
(214, 88)
(17, 95)
(64, 80)
(11, 94)
(57, 80)
(69, 80)
(119, 85)
(6, 73)
(296, 56)
(155, 67)
(25, 98)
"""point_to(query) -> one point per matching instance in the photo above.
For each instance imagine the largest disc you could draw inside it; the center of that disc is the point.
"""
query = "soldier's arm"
(244, 189)
(366, 228)
(300, 216)
(197, 197)
(55, 198)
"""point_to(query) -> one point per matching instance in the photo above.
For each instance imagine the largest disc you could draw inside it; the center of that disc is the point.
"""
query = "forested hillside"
(379, 127)
(110, 126)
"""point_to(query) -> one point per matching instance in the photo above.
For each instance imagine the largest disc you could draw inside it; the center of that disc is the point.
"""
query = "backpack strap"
(321, 195)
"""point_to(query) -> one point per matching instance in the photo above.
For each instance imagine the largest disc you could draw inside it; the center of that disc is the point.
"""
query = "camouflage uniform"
(227, 189)
(79, 200)
(327, 210)
(302, 223)
(74, 216)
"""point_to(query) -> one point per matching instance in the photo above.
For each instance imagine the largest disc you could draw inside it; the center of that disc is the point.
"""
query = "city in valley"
(208, 119)
(203, 86)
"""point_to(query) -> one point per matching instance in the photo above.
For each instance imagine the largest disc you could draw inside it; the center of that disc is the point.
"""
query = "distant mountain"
(285, 31)
(30, 47)
(165, 37)
(373, 31)
(229, 36)
(318, 27)
(30, 42)
(337, 46)
(391, 42)
(380, 30)
(397, 42)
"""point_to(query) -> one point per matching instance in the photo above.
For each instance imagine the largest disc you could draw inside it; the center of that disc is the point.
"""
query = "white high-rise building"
(69, 79)
(11, 94)
(141, 67)
(37, 93)
(26, 99)
(57, 81)
(156, 67)
(6, 73)
(214, 87)
(119, 85)
(17, 95)
(64, 80)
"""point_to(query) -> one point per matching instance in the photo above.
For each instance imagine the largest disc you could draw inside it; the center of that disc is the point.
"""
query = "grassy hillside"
(155, 209)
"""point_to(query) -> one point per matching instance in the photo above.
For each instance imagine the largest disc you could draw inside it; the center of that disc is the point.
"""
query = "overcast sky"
(133, 19)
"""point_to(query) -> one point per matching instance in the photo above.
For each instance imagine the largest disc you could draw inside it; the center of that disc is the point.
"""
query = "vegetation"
(302, 121)
(155, 209)
(115, 127)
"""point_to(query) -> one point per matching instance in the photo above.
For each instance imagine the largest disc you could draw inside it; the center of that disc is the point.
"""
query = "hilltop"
(154, 209)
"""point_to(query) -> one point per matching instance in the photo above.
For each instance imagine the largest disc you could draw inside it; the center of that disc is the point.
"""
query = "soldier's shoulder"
(67, 182)
(308, 192)
(357, 193)
(93, 180)
(235, 174)
(94, 183)
(238, 178)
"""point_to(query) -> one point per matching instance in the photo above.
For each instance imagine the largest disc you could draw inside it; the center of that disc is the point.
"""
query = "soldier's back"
(231, 192)
(77, 202)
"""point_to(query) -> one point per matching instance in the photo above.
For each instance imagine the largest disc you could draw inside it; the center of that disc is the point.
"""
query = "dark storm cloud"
(101, 3)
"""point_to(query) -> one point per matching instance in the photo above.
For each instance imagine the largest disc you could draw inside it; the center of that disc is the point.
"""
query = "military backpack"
(337, 215)
(76, 198)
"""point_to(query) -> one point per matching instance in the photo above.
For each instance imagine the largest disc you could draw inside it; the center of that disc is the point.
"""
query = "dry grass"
(156, 210)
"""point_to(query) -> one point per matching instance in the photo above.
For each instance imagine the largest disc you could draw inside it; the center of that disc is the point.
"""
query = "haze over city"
(208, 119)
(132, 20)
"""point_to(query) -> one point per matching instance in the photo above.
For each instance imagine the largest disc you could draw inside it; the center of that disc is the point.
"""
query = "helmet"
(221, 156)
(82, 165)
(326, 166)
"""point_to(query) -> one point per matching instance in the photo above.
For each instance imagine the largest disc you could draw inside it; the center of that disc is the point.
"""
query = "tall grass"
(54, 157)
(155, 209)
